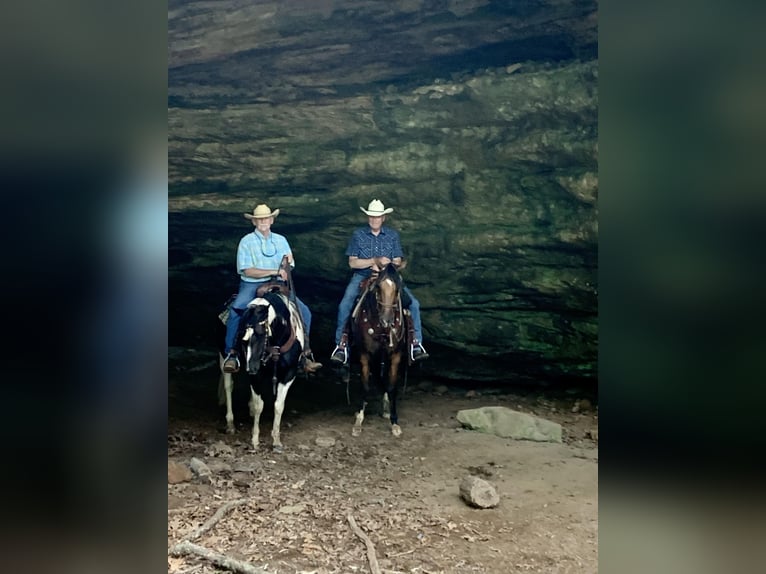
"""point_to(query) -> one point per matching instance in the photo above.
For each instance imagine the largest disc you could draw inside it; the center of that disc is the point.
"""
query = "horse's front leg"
(279, 408)
(392, 391)
(364, 360)
(256, 408)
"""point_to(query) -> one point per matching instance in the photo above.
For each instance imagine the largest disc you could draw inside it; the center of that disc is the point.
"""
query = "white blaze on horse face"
(388, 293)
(260, 301)
(388, 290)
(248, 352)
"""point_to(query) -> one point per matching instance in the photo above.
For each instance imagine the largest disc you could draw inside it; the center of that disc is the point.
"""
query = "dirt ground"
(293, 514)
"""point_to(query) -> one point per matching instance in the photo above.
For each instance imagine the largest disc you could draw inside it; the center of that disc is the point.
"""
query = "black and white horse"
(270, 342)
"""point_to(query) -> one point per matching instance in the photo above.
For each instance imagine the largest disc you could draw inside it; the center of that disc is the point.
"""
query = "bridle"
(269, 352)
(390, 332)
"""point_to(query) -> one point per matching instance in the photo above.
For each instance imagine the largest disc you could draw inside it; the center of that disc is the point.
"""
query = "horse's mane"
(278, 303)
(281, 322)
(392, 271)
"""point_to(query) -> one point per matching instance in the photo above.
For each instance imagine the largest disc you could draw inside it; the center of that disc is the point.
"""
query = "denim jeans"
(246, 294)
(347, 305)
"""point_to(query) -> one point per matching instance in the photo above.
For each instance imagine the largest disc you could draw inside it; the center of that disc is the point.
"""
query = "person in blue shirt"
(259, 257)
(370, 249)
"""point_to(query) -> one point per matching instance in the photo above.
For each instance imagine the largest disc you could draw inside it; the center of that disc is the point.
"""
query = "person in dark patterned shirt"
(370, 249)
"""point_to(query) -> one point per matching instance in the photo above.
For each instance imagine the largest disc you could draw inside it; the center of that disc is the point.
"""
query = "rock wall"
(489, 161)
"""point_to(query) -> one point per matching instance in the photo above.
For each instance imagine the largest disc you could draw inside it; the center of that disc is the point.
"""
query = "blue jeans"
(246, 294)
(347, 305)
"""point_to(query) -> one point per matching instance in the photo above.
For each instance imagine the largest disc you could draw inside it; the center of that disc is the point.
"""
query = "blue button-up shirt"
(365, 245)
(257, 251)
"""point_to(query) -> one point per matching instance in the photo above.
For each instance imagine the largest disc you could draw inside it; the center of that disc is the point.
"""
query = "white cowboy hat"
(376, 208)
(261, 212)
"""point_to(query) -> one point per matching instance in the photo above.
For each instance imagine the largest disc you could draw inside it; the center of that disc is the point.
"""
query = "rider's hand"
(378, 263)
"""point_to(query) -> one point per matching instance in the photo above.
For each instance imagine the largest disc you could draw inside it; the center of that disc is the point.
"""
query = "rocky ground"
(293, 512)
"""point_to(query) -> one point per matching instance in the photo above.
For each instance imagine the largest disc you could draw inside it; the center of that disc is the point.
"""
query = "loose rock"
(478, 492)
(178, 472)
(200, 468)
(219, 448)
(325, 441)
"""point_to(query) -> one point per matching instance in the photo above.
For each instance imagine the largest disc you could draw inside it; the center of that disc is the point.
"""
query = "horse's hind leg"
(396, 430)
(365, 362)
(256, 408)
(392, 393)
(279, 408)
(357, 430)
(385, 410)
(225, 386)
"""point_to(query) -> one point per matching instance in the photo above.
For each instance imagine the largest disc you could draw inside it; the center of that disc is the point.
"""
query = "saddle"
(273, 286)
(223, 315)
(270, 286)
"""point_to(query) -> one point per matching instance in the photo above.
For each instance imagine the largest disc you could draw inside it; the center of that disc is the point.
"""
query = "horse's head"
(256, 330)
(387, 286)
(271, 329)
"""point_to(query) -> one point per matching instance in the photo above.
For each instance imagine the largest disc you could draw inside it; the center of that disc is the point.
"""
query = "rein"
(275, 350)
(392, 333)
(273, 353)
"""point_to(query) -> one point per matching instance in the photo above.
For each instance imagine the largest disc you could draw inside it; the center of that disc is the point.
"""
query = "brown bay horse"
(379, 332)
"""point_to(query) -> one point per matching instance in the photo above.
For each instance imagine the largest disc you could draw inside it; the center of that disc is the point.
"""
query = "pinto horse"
(379, 332)
(270, 339)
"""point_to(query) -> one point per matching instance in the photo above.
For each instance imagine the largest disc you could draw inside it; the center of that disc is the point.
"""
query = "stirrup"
(421, 352)
(335, 357)
(228, 367)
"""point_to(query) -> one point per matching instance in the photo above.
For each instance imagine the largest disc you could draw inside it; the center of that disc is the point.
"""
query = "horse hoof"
(278, 449)
(396, 430)
(231, 430)
(356, 431)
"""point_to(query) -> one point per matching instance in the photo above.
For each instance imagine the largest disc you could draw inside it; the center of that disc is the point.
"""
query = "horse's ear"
(402, 265)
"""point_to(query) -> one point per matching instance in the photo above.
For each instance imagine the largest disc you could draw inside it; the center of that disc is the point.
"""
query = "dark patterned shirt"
(365, 245)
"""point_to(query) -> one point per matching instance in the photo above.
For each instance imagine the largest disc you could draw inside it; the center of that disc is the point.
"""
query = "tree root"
(210, 522)
(186, 547)
(371, 557)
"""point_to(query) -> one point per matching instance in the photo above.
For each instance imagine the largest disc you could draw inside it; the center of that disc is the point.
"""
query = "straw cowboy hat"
(261, 212)
(376, 208)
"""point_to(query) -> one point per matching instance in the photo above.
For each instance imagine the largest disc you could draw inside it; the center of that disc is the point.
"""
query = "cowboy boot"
(308, 364)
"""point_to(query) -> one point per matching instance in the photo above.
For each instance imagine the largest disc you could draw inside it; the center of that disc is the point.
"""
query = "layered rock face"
(476, 121)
